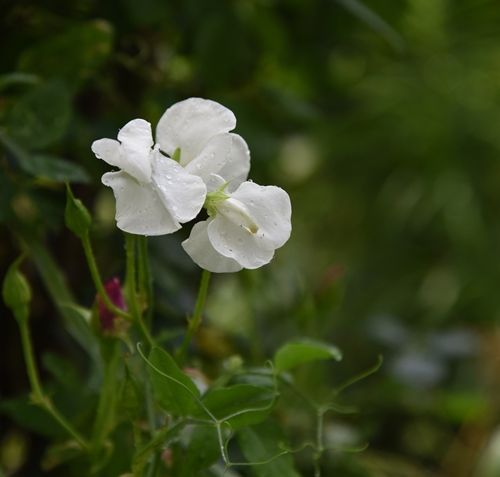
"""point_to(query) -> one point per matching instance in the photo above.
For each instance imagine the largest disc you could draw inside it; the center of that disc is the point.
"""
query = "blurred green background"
(382, 121)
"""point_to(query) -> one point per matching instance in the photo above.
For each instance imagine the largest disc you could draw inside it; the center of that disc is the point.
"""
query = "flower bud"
(76, 215)
(16, 291)
(110, 323)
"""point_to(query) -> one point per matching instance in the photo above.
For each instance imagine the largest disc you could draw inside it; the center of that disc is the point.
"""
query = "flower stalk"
(37, 394)
(195, 321)
(131, 287)
(96, 278)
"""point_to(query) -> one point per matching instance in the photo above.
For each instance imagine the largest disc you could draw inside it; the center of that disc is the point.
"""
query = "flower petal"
(183, 194)
(139, 209)
(136, 135)
(226, 155)
(109, 150)
(137, 139)
(270, 208)
(199, 248)
(133, 154)
(190, 124)
(232, 241)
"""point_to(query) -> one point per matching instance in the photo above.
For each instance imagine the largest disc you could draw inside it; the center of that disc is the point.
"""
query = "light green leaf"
(15, 78)
(296, 353)
(176, 392)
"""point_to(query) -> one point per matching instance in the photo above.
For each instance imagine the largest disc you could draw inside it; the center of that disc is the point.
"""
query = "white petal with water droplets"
(190, 124)
(183, 194)
(236, 242)
(270, 208)
(109, 150)
(133, 153)
(202, 252)
(226, 155)
(139, 209)
(215, 182)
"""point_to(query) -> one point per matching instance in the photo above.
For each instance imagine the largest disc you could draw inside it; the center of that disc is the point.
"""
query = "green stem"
(145, 280)
(38, 396)
(96, 277)
(31, 368)
(130, 243)
(154, 465)
(195, 321)
(319, 443)
(108, 398)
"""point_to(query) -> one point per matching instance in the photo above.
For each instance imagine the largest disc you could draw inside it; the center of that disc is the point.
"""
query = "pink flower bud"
(107, 318)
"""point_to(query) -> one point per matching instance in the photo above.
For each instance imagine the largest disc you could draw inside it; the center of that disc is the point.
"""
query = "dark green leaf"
(73, 55)
(296, 353)
(58, 454)
(41, 116)
(261, 445)
(161, 438)
(199, 450)
(28, 416)
(240, 405)
(45, 166)
(375, 22)
(176, 392)
(55, 283)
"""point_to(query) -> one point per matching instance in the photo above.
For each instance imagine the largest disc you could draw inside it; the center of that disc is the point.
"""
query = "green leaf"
(15, 78)
(45, 166)
(261, 446)
(73, 55)
(131, 396)
(199, 450)
(58, 454)
(296, 353)
(16, 291)
(375, 22)
(175, 391)
(55, 283)
(160, 439)
(41, 116)
(240, 405)
(27, 416)
(77, 216)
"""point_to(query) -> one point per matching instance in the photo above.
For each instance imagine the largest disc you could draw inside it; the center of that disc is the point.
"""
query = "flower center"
(218, 202)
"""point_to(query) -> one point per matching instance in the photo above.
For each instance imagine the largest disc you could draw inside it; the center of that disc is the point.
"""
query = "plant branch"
(195, 321)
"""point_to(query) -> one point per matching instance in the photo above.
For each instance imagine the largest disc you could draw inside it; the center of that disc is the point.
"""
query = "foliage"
(381, 120)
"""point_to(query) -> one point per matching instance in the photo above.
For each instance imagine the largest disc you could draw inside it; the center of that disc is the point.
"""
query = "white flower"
(198, 130)
(244, 229)
(154, 194)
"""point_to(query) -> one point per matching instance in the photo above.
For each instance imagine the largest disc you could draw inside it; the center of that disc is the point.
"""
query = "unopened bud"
(110, 323)
(16, 291)
(76, 215)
